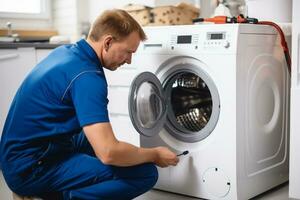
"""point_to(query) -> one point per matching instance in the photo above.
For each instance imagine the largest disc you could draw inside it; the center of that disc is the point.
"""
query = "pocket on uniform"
(45, 153)
(55, 151)
(41, 159)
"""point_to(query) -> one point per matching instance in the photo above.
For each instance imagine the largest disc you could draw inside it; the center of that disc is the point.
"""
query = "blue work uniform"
(43, 149)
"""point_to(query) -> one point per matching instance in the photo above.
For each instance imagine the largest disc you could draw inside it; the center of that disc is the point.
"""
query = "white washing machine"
(222, 93)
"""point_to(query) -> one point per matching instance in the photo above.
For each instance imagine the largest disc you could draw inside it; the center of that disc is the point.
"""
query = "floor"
(5, 193)
(279, 193)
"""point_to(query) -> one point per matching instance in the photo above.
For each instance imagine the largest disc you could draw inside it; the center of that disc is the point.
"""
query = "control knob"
(226, 44)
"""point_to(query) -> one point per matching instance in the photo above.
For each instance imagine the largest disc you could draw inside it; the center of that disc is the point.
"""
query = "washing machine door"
(147, 104)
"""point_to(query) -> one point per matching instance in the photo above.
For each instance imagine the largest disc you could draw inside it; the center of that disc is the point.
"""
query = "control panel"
(208, 40)
(184, 40)
(216, 39)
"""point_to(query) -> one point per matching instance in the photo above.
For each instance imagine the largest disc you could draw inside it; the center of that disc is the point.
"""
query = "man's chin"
(115, 68)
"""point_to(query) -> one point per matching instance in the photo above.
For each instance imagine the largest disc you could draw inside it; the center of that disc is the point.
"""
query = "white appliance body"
(238, 141)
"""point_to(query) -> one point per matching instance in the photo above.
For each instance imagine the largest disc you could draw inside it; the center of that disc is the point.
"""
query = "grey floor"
(279, 193)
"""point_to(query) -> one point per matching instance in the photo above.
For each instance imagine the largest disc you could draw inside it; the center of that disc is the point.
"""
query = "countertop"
(37, 45)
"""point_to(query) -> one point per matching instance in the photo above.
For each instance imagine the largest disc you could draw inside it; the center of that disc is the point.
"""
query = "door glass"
(191, 102)
(148, 105)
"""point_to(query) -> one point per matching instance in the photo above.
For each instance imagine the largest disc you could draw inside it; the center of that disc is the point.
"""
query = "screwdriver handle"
(183, 153)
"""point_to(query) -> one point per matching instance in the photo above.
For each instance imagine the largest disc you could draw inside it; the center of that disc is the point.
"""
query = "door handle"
(9, 56)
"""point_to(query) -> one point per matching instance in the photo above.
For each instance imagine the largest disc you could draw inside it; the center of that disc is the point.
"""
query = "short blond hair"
(117, 23)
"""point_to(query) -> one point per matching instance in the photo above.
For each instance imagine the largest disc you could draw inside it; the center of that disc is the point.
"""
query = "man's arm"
(111, 151)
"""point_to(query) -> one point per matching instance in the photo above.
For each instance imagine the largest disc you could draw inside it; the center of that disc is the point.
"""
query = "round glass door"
(192, 98)
(147, 105)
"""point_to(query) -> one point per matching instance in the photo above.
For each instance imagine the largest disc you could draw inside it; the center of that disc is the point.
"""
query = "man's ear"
(108, 42)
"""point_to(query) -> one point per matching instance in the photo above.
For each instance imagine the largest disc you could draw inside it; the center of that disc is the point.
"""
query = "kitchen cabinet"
(15, 64)
(41, 54)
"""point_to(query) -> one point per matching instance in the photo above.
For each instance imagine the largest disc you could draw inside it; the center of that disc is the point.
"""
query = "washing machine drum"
(191, 102)
(193, 105)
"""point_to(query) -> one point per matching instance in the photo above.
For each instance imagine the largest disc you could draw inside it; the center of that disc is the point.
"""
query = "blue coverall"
(43, 149)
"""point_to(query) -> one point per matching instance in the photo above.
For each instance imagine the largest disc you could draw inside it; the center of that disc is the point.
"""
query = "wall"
(174, 2)
(68, 17)
(64, 17)
(96, 7)
(35, 24)
(294, 191)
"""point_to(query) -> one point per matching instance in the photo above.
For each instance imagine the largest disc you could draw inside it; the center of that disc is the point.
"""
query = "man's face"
(120, 52)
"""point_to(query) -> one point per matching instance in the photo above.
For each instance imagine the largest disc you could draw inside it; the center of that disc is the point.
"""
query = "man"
(57, 137)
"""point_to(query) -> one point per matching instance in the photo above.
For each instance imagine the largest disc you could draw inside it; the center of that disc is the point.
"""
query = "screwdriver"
(183, 153)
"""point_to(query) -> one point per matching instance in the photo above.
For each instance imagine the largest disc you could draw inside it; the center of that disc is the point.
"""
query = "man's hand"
(165, 157)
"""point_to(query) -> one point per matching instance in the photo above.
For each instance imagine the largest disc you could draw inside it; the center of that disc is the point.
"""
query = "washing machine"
(222, 93)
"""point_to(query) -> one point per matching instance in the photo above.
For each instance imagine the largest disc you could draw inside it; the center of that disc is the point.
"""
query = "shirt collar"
(85, 48)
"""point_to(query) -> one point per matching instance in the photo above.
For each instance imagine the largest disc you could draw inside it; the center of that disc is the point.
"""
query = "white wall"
(174, 2)
(68, 16)
(98, 6)
(294, 190)
(35, 24)
(64, 16)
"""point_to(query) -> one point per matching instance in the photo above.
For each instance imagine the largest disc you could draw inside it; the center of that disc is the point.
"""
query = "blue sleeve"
(89, 95)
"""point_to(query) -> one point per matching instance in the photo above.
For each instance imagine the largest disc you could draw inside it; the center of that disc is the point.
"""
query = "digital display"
(184, 39)
(216, 36)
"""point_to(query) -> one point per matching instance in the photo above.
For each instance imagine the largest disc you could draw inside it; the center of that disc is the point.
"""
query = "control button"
(226, 44)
